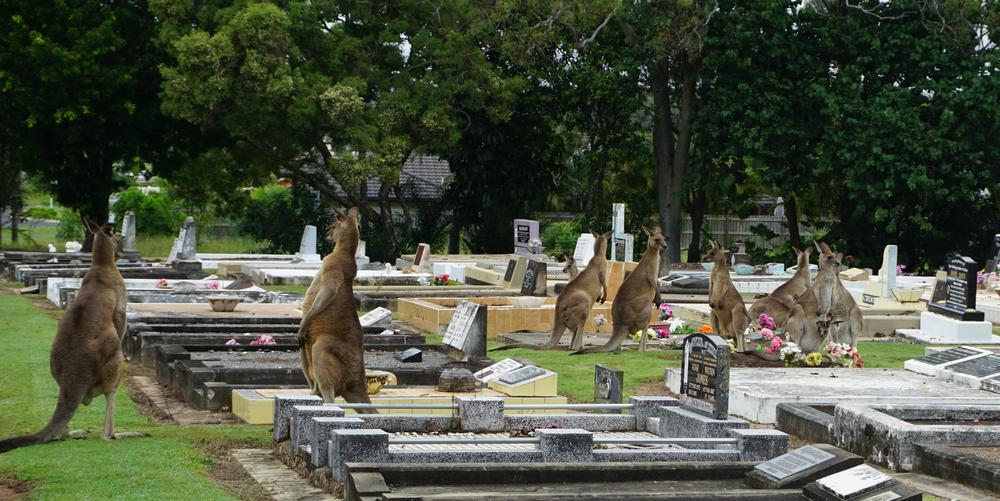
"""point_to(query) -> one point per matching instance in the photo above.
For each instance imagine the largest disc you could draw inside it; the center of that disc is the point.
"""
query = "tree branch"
(599, 28)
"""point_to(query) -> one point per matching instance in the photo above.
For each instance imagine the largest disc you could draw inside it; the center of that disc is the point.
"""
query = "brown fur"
(577, 299)
(330, 335)
(729, 315)
(86, 356)
(569, 267)
(826, 307)
(779, 303)
(633, 304)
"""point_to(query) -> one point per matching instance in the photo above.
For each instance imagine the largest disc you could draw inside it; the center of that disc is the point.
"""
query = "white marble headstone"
(584, 251)
(380, 317)
(887, 273)
(855, 481)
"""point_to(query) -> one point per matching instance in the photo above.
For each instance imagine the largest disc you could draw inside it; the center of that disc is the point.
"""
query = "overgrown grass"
(170, 464)
(150, 246)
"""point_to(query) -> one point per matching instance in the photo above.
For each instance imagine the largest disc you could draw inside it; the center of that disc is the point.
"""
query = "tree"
(80, 96)
(334, 92)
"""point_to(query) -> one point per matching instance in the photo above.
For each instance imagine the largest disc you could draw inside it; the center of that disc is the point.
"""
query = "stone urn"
(223, 303)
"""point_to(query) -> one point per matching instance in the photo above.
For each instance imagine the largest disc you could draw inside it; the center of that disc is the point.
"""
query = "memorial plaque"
(943, 357)
(705, 375)
(509, 274)
(498, 369)
(868, 299)
(797, 461)
(960, 301)
(607, 385)
(521, 375)
(978, 367)
(855, 481)
(466, 333)
(525, 230)
(379, 317)
(622, 247)
(410, 356)
(535, 279)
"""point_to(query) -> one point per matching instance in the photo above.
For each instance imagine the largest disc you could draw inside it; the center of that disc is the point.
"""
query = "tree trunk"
(14, 216)
(663, 152)
(454, 237)
(699, 203)
(792, 217)
(681, 153)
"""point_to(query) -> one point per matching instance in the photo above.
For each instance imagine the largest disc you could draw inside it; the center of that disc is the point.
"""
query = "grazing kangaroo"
(633, 304)
(779, 303)
(570, 267)
(87, 355)
(574, 304)
(729, 315)
(838, 306)
(330, 335)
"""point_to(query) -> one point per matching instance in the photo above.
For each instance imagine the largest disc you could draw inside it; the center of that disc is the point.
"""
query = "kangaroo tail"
(558, 327)
(57, 428)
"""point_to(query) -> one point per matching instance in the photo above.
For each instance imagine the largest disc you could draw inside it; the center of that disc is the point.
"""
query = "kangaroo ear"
(606, 235)
(825, 247)
(646, 230)
(336, 212)
(817, 244)
(353, 212)
(594, 233)
(796, 250)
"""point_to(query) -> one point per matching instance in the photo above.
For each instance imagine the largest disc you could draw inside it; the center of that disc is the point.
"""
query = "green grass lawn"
(150, 246)
(170, 464)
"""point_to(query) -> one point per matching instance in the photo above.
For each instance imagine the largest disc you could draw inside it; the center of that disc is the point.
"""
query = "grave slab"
(932, 363)
(754, 393)
(801, 466)
(940, 329)
(861, 482)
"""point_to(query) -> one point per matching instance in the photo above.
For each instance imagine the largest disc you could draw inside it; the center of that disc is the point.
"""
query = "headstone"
(622, 244)
(940, 294)
(525, 230)
(607, 385)
(886, 277)
(509, 273)
(943, 357)
(189, 241)
(705, 375)
(307, 245)
(128, 237)
(617, 219)
(960, 300)
(456, 380)
(584, 251)
(855, 481)
(379, 317)
(498, 369)
(517, 277)
(422, 258)
(801, 466)
(994, 260)
(535, 279)
(410, 356)
(466, 333)
(175, 249)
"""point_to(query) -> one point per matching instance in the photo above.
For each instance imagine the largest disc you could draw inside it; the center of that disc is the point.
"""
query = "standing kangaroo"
(330, 335)
(633, 304)
(838, 306)
(779, 303)
(574, 304)
(729, 315)
(87, 355)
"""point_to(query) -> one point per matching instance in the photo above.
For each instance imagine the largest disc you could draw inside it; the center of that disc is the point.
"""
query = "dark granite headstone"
(607, 385)
(994, 260)
(943, 357)
(705, 375)
(509, 274)
(411, 355)
(535, 279)
(960, 301)
(801, 466)
(979, 366)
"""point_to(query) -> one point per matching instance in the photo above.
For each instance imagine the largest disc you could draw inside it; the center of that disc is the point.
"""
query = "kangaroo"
(811, 318)
(633, 304)
(838, 306)
(570, 267)
(574, 304)
(330, 335)
(779, 303)
(729, 315)
(86, 355)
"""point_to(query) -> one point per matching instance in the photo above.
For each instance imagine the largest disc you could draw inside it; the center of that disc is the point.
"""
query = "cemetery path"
(174, 462)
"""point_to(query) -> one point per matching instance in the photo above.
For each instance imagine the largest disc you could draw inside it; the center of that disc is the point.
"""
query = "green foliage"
(559, 238)
(155, 213)
(41, 213)
(70, 227)
(270, 217)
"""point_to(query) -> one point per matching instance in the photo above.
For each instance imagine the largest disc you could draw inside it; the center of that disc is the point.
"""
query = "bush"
(70, 227)
(155, 213)
(270, 217)
(560, 238)
(41, 213)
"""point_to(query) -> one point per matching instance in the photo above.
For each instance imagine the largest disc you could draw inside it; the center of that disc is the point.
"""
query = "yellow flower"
(814, 359)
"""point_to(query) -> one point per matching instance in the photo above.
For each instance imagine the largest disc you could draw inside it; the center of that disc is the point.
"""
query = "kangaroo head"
(569, 265)
(105, 241)
(656, 241)
(346, 226)
(828, 260)
(601, 243)
(803, 256)
(715, 253)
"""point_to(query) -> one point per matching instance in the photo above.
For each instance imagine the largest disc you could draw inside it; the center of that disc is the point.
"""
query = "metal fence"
(729, 229)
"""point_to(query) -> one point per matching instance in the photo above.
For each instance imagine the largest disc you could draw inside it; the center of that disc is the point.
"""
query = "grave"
(307, 246)
(183, 255)
(972, 465)
(608, 385)
(993, 262)
(525, 230)
(534, 282)
(584, 250)
(801, 466)
(861, 482)
(622, 243)
(465, 336)
(129, 250)
(954, 319)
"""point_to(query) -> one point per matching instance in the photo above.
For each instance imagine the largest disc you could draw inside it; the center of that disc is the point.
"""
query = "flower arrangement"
(600, 321)
(900, 268)
(844, 354)
(232, 342)
(263, 340)
(662, 333)
(214, 285)
(768, 338)
(766, 322)
(423, 281)
(441, 279)
(813, 359)
(650, 335)
(791, 354)
(162, 284)
(705, 329)
(985, 280)
(666, 313)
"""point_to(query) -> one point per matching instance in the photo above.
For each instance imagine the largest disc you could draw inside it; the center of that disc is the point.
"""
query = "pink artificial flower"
(776, 342)
(232, 342)
(662, 333)
(767, 333)
(214, 285)
(263, 340)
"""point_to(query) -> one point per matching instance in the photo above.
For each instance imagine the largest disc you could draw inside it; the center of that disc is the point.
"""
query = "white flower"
(675, 323)
(423, 281)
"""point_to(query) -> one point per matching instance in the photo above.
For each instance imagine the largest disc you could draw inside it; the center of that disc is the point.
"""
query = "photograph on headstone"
(607, 385)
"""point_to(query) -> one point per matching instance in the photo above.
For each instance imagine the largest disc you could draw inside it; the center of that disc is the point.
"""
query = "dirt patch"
(654, 388)
(230, 476)
(12, 488)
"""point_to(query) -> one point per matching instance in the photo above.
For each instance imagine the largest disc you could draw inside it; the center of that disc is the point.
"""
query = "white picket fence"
(730, 229)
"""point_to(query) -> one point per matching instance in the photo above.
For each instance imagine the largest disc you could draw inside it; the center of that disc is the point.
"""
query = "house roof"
(424, 177)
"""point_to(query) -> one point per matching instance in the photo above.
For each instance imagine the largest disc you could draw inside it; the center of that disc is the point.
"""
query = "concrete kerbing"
(481, 414)
(644, 408)
(320, 429)
(280, 482)
(283, 411)
(952, 463)
(805, 421)
(300, 422)
(565, 445)
(680, 422)
(358, 446)
(760, 444)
